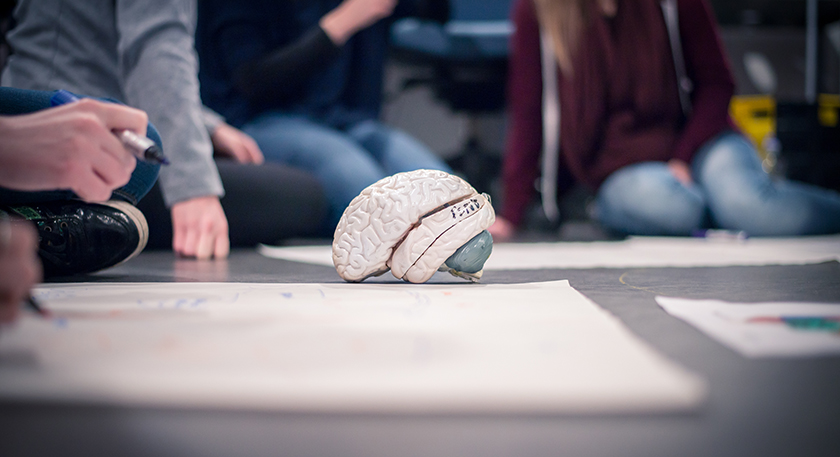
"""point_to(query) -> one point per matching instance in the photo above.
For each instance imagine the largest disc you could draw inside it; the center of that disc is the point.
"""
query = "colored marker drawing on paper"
(340, 347)
(110, 302)
(803, 323)
(782, 329)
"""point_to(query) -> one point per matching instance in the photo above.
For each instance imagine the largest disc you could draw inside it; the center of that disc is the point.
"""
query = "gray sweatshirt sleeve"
(159, 68)
(212, 119)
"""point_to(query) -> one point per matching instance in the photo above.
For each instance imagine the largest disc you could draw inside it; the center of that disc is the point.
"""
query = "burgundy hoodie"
(622, 105)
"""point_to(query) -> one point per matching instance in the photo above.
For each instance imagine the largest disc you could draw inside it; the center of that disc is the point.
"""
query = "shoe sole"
(139, 220)
(409, 223)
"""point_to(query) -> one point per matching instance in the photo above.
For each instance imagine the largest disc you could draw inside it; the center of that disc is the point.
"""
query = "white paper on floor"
(763, 329)
(539, 347)
(634, 252)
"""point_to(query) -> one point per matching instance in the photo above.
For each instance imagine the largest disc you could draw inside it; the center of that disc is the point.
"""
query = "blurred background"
(445, 84)
(785, 55)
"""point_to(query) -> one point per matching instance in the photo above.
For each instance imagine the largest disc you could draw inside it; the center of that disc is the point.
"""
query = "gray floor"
(756, 407)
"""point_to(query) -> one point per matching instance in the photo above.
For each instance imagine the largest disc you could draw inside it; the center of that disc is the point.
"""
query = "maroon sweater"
(622, 105)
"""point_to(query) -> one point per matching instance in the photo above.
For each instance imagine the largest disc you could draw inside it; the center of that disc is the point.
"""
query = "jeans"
(18, 101)
(730, 191)
(345, 161)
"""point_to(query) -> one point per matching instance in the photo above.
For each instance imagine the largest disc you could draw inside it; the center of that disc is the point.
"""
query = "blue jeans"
(18, 101)
(730, 190)
(344, 161)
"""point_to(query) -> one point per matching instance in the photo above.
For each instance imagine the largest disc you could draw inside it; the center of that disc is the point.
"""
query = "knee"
(647, 200)
(772, 213)
(727, 154)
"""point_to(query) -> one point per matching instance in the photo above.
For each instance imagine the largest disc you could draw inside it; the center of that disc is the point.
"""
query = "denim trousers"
(730, 190)
(18, 101)
(344, 161)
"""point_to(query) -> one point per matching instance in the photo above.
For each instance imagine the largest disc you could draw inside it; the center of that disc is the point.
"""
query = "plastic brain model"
(413, 224)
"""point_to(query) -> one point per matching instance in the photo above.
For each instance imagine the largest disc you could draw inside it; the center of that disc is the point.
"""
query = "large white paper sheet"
(539, 347)
(763, 329)
(635, 252)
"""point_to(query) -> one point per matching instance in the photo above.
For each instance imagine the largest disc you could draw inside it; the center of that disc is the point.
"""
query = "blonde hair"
(564, 21)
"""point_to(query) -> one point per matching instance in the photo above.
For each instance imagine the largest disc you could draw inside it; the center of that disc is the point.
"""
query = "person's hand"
(200, 229)
(354, 15)
(232, 142)
(680, 171)
(501, 230)
(20, 268)
(69, 147)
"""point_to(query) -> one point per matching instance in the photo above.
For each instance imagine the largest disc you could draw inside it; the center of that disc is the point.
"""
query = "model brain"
(413, 223)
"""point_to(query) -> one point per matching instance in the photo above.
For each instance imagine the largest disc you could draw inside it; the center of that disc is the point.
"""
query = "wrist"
(338, 26)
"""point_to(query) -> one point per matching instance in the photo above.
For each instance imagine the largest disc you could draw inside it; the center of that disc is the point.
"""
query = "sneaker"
(411, 223)
(77, 237)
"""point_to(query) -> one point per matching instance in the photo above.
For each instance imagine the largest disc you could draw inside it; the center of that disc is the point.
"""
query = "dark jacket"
(270, 55)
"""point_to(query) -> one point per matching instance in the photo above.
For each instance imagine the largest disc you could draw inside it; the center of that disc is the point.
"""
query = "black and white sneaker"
(77, 237)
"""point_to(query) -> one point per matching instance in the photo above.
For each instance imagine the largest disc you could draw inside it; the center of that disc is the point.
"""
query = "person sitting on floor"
(304, 79)
(659, 150)
(64, 170)
(142, 53)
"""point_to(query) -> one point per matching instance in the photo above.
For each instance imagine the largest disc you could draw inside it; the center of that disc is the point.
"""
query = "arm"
(271, 75)
(352, 16)
(281, 73)
(709, 70)
(524, 139)
(159, 70)
(435, 10)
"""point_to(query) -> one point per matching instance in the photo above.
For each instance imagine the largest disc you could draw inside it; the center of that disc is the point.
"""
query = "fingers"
(112, 171)
(20, 268)
(501, 230)
(93, 190)
(113, 117)
(212, 245)
(222, 248)
(98, 160)
(179, 235)
(70, 147)
(99, 130)
(204, 245)
(253, 150)
(200, 229)
(680, 170)
(119, 117)
(106, 171)
(240, 153)
(233, 142)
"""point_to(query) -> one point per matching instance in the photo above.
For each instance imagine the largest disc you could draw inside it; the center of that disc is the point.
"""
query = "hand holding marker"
(142, 147)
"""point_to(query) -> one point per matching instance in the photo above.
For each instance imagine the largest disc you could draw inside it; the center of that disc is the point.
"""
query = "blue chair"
(467, 57)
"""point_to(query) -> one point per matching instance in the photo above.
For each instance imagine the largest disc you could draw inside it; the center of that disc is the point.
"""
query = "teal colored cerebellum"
(470, 257)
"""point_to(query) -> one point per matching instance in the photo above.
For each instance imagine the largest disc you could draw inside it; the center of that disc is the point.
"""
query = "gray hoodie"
(140, 52)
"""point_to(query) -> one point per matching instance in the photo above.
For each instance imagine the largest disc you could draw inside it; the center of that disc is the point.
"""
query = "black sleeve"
(436, 10)
(278, 76)
(281, 73)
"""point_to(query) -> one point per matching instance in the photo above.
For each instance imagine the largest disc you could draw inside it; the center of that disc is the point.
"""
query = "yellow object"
(755, 115)
(829, 106)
